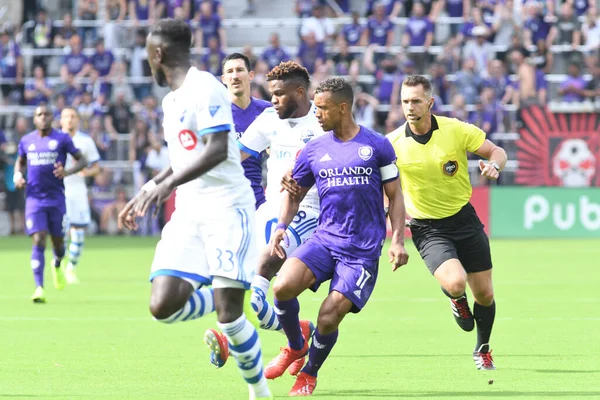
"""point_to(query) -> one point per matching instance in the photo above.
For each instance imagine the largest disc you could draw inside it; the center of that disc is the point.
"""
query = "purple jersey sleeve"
(69, 146)
(303, 173)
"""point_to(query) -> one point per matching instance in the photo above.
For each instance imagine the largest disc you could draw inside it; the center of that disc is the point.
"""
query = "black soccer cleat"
(483, 358)
(462, 313)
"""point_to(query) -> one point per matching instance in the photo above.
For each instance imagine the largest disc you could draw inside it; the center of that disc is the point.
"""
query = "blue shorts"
(353, 277)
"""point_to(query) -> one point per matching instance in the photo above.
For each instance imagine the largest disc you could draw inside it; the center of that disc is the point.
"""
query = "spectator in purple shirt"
(209, 25)
(168, 8)
(274, 54)
(456, 9)
(102, 60)
(11, 64)
(581, 6)
(213, 60)
(474, 19)
(311, 54)
(573, 88)
(353, 31)
(392, 7)
(75, 63)
(72, 91)
(536, 27)
(387, 76)
(380, 30)
(37, 89)
(419, 29)
(217, 7)
(141, 11)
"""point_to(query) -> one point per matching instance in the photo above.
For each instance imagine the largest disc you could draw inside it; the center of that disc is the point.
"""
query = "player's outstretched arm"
(127, 215)
(214, 153)
(61, 172)
(397, 214)
(290, 205)
(18, 178)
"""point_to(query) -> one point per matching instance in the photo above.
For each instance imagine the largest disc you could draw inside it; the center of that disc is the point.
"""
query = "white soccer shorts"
(78, 209)
(299, 231)
(223, 245)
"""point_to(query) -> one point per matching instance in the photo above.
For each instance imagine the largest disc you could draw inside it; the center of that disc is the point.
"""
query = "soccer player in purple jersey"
(44, 153)
(237, 75)
(351, 166)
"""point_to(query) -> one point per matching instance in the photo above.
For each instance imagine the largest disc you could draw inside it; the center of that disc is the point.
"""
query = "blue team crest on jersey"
(307, 136)
(213, 110)
(182, 116)
(365, 152)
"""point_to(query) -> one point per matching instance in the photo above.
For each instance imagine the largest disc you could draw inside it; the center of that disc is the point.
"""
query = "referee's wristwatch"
(495, 165)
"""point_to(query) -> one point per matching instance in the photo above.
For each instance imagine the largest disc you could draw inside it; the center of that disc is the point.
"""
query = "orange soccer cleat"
(304, 386)
(307, 331)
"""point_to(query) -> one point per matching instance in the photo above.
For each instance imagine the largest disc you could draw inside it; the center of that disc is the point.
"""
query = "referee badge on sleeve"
(450, 168)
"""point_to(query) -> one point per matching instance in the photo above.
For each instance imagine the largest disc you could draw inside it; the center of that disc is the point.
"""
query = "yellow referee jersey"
(434, 168)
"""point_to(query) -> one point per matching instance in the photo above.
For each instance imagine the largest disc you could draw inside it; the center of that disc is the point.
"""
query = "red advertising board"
(558, 149)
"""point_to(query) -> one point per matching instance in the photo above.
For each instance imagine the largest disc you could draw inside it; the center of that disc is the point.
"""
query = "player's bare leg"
(174, 299)
(58, 276)
(484, 311)
(244, 344)
(294, 278)
(37, 265)
(332, 312)
(453, 279)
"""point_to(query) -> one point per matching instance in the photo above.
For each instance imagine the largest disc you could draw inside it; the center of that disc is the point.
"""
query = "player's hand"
(156, 196)
(288, 183)
(126, 216)
(398, 256)
(488, 170)
(275, 243)
(19, 182)
(59, 170)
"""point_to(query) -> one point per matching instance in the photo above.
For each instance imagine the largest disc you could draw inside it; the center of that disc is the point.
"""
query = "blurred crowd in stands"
(487, 58)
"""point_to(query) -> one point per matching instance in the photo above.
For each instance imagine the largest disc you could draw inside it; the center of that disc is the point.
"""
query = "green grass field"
(97, 339)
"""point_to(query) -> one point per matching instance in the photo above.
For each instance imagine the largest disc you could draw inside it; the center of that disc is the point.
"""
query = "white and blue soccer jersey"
(210, 235)
(76, 193)
(286, 138)
(199, 107)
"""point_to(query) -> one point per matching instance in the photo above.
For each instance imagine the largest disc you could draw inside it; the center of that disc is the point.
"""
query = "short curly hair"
(339, 88)
(289, 71)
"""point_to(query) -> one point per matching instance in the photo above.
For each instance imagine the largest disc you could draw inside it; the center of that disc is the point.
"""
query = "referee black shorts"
(459, 236)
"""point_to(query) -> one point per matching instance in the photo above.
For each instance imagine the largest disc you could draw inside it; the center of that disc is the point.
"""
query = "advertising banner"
(543, 212)
(558, 149)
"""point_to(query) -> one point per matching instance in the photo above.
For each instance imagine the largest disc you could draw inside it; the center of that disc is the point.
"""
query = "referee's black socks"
(484, 317)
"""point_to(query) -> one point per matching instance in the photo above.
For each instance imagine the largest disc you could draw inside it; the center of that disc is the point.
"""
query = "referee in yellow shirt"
(432, 159)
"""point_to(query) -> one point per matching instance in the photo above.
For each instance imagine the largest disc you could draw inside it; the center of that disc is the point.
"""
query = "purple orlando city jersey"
(242, 118)
(349, 180)
(43, 188)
